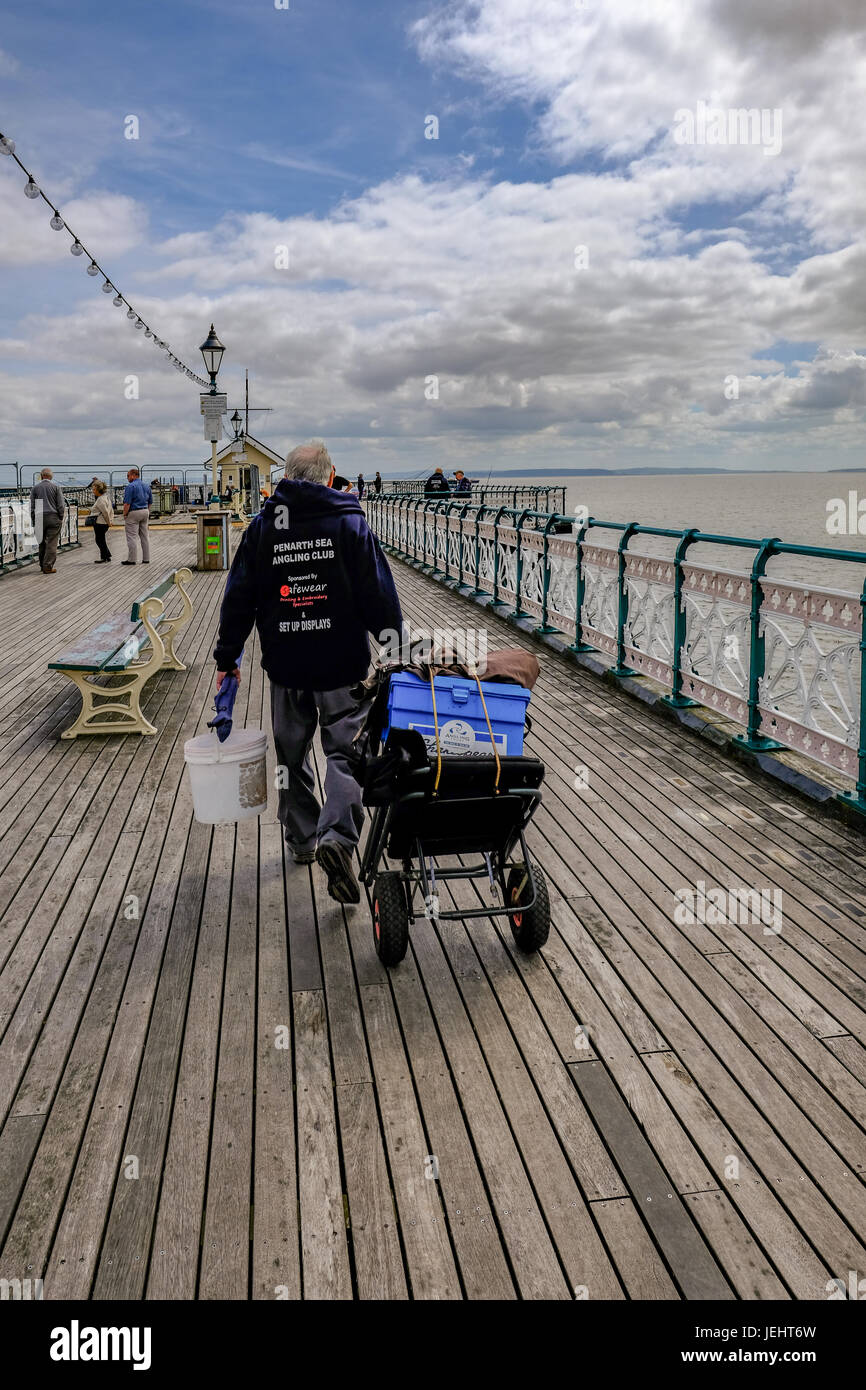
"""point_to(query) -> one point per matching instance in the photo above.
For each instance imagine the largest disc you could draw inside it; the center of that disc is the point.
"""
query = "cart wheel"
(390, 918)
(532, 927)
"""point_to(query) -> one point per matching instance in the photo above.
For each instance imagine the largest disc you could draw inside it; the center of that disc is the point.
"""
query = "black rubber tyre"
(390, 918)
(532, 927)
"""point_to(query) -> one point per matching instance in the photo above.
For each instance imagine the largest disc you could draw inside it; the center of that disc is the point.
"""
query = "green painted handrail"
(620, 669)
(765, 550)
(676, 698)
(752, 737)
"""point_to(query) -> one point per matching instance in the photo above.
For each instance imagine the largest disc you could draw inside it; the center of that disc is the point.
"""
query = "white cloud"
(476, 281)
(609, 79)
(109, 224)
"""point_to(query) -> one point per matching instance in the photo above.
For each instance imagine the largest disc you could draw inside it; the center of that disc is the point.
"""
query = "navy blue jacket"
(310, 574)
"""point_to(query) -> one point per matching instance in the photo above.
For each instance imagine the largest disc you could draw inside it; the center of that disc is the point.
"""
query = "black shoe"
(336, 860)
(145, 562)
(127, 562)
(302, 856)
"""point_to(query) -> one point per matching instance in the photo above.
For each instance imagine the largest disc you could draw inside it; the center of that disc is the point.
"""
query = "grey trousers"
(295, 715)
(51, 525)
(135, 526)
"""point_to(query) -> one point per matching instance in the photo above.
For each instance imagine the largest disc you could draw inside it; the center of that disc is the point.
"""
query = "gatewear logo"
(76, 1343)
(284, 591)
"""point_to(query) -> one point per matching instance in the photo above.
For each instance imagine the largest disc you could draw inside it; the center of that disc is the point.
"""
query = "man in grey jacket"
(47, 524)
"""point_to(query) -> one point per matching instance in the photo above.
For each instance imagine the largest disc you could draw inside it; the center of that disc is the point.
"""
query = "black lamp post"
(212, 351)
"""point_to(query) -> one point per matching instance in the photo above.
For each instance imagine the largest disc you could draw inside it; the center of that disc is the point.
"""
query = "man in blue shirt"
(137, 502)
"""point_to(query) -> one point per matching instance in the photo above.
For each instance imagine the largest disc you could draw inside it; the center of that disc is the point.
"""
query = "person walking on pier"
(104, 513)
(311, 576)
(137, 502)
(377, 482)
(53, 508)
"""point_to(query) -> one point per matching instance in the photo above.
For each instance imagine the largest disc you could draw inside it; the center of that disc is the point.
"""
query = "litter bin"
(212, 540)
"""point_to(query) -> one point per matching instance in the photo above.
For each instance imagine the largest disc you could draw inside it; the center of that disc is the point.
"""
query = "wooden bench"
(114, 648)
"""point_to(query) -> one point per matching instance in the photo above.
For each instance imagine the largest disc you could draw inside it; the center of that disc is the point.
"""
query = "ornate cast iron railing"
(19, 544)
(786, 660)
(540, 498)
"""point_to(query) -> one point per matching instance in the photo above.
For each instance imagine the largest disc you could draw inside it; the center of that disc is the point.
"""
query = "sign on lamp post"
(213, 407)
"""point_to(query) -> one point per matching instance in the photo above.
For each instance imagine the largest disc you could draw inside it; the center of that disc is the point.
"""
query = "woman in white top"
(104, 513)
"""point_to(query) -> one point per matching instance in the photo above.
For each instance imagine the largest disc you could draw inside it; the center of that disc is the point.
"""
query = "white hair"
(311, 461)
(46, 473)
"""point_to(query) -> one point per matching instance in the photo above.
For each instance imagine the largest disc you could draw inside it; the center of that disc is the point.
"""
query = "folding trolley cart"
(464, 806)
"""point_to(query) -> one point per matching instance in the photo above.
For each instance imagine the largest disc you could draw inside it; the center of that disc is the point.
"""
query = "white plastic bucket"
(229, 780)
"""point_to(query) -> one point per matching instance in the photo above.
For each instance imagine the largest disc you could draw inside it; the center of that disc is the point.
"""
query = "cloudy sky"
(596, 262)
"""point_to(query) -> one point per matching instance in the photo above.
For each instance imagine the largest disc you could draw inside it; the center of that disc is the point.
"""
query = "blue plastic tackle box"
(462, 726)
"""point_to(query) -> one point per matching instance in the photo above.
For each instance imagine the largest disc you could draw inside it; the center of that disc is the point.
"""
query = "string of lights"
(32, 190)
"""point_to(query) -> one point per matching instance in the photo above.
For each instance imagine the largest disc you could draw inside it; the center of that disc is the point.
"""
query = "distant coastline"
(621, 472)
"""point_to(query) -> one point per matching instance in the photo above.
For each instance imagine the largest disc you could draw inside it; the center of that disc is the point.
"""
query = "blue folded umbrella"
(224, 703)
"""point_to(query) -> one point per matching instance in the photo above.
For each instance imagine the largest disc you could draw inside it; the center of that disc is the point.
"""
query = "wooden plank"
(654, 1195)
(122, 1269)
(742, 1259)
(324, 1246)
(18, 1140)
(792, 1254)
(276, 1263)
(345, 1023)
(304, 963)
(94, 649)
(546, 1071)
(472, 1221)
(373, 1226)
(852, 1053)
(636, 1258)
(173, 1272)
(534, 1260)
(77, 1245)
(225, 1241)
(157, 590)
(431, 1269)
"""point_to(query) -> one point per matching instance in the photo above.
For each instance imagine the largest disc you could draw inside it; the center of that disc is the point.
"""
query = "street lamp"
(236, 424)
(212, 351)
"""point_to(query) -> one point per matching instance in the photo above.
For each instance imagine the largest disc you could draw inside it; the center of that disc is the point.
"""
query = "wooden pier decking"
(210, 1088)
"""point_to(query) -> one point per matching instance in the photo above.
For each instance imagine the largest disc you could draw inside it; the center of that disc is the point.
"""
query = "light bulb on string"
(57, 223)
